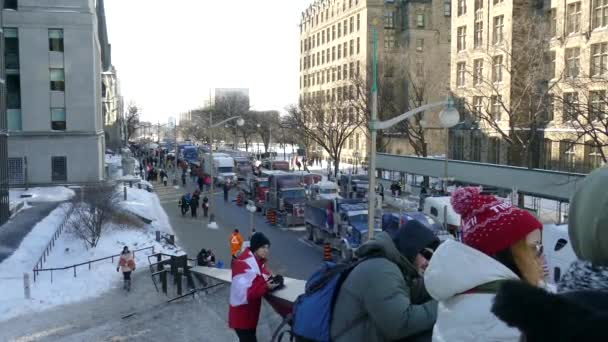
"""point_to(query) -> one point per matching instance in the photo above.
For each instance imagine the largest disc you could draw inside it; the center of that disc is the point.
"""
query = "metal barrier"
(51, 244)
(36, 271)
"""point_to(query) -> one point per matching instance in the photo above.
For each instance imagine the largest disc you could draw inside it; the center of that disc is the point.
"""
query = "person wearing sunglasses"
(499, 242)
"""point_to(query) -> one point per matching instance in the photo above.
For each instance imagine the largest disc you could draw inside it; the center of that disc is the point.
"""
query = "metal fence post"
(163, 281)
(26, 285)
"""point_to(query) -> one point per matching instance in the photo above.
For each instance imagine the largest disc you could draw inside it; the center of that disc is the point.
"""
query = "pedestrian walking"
(126, 265)
(183, 179)
(205, 206)
(236, 243)
(184, 203)
(500, 242)
(165, 179)
(193, 205)
(226, 190)
(250, 282)
(397, 307)
(298, 164)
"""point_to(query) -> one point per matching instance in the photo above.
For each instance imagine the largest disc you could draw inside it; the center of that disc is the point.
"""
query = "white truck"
(325, 190)
(223, 167)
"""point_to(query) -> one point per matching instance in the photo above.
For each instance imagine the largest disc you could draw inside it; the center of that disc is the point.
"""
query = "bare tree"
(519, 114)
(267, 121)
(92, 211)
(131, 119)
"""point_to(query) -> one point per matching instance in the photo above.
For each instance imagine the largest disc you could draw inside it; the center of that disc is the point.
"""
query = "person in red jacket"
(250, 282)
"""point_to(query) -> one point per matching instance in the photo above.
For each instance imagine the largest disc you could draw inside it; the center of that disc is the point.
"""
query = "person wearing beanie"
(499, 242)
(383, 297)
(250, 282)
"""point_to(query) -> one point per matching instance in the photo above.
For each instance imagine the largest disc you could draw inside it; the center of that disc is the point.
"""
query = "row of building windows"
(462, 6)
(348, 116)
(342, 93)
(324, 37)
(333, 74)
(13, 79)
(329, 55)
(324, 15)
(497, 33)
(16, 170)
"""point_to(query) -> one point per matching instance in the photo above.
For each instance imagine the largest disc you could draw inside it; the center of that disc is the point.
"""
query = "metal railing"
(36, 271)
(51, 244)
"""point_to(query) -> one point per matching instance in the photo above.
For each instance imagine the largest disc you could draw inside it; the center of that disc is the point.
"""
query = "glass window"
(599, 59)
(496, 2)
(59, 172)
(600, 13)
(419, 44)
(58, 119)
(593, 156)
(477, 71)
(478, 41)
(550, 62)
(339, 51)
(494, 151)
(447, 8)
(496, 107)
(13, 91)
(57, 79)
(476, 147)
(358, 22)
(497, 69)
(11, 48)
(420, 20)
(358, 45)
(389, 19)
(462, 7)
(572, 62)
(547, 158)
(570, 107)
(567, 155)
(477, 108)
(352, 47)
(389, 39)
(597, 105)
(573, 17)
(462, 36)
(460, 74)
(10, 4)
(497, 34)
(16, 171)
(553, 22)
(13, 119)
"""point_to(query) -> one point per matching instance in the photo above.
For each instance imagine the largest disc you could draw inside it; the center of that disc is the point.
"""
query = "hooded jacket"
(455, 271)
(546, 317)
(588, 232)
(126, 262)
(375, 301)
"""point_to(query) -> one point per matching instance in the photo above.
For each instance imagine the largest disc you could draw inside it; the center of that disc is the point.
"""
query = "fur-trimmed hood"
(542, 316)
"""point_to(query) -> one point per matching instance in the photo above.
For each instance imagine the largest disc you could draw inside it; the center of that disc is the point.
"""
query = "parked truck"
(286, 196)
(223, 167)
(255, 189)
(242, 166)
(340, 222)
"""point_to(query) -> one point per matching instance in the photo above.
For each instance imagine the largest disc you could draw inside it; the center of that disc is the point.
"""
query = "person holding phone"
(251, 280)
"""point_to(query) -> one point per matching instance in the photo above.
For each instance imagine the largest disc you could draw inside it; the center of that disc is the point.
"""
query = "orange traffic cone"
(327, 252)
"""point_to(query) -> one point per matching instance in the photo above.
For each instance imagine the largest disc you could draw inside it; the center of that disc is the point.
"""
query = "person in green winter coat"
(383, 298)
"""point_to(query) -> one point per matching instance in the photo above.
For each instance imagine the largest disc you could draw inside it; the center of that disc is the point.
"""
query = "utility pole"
(372, 149)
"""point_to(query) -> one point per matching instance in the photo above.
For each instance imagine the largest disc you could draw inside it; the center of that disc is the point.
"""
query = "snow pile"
(47, 194)
(147, 205)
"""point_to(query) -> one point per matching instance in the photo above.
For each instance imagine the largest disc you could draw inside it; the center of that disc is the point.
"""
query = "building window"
(477, 71)
(447, 8)
(59, 169)
(11, 48)
(552, 22)
(597, 105)
(462, 38)
(457, 145)
(389, 19)
(339, 51)
(478, 5)
(600, 13)
(462, 7)
(420, 20)
(572, 62)
(352, 24)
(497, 69)
(15, 171)
(567, 155)
(460, 72)
(345, 27)
(494, 151)
(419, 44)
(352, 47)
(476, 147)
(419, 67)
(358, 45)
(358, 22)
(547, 156)
(477, 108)
(13, 101)
(593, 156)
(497, 35)
(323, 57)
(339, 30)
(57, 79)
(345, 71)
(547, 116)
(58, 119)
(599, 59)
(351, 70)
(570, 107)
(496, 107)
(333, 53)
(333, 32)
(10, 4)
(339, 73)
(550, 62)
(496, 2)
(389, 39)
(478, 41)
(573, 17)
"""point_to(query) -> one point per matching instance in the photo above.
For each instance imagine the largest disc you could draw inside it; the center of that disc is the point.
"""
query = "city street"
(290, 253)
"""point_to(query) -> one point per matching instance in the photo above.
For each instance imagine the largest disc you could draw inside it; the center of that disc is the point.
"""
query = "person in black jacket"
(194, 205)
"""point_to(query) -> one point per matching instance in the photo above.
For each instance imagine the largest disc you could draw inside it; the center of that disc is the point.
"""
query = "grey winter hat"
(588, 218)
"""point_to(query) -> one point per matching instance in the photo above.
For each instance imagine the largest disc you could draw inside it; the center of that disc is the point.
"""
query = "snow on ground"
(69, 250)
(47, 194)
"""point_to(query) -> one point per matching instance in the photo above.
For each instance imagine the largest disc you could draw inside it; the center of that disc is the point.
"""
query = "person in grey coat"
(383, 298)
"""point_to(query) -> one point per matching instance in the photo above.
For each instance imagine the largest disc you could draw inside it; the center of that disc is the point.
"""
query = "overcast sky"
(168, 54)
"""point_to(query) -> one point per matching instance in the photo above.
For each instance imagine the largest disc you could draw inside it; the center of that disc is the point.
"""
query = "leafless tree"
(268, 122)
(96, 207)
(131, 119)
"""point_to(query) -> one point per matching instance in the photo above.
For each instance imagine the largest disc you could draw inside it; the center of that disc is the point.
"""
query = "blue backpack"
(312, 311)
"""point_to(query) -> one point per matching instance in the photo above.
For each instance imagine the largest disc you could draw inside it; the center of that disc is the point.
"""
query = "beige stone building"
(496, 64)
(336, 56)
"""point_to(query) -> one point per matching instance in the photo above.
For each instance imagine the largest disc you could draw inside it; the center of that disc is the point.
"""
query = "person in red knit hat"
(499, 242)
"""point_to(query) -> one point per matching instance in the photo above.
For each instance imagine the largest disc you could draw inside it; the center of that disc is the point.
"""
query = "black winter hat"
(414, 237)
(258, 240)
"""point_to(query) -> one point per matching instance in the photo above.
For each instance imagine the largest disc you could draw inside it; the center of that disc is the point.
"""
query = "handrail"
(51, 244)
(85, 263)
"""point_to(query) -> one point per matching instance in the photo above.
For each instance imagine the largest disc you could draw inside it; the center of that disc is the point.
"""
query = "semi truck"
(340, 222)
(286, 196)
(243, 167)
(223, 167)
(255, 188)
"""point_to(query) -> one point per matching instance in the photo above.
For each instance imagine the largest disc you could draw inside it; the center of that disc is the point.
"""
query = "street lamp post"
(240, 122)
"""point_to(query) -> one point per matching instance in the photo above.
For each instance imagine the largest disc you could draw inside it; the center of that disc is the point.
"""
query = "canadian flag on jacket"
(249, 276)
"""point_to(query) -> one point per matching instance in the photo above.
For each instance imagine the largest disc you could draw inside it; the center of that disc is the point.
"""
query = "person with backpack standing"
(250, 282)
(382, 297)
(126, 264)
